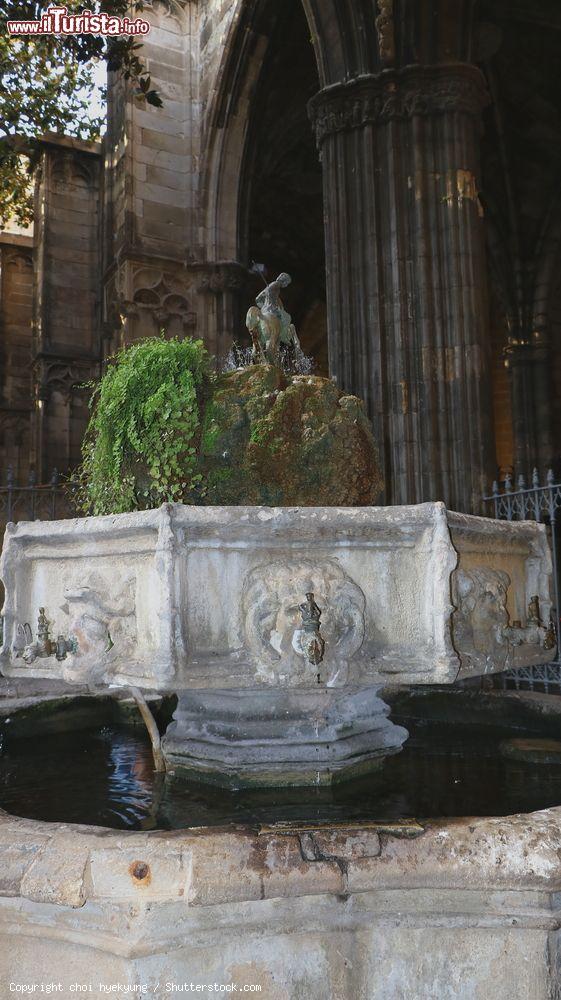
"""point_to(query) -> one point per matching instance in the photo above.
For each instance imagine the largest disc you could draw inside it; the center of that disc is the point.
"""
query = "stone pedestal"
(406, 280)
(290, 737)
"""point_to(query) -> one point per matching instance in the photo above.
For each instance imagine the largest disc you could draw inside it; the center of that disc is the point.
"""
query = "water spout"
(43, 647)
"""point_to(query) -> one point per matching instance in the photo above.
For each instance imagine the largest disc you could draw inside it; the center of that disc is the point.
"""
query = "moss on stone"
(274, 439)
(259, 437)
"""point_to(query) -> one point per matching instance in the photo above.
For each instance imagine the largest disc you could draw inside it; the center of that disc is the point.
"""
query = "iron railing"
(537, 502)
(34, 501)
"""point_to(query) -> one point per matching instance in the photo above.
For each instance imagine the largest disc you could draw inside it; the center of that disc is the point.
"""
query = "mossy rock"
(165, 428)
(280, 440)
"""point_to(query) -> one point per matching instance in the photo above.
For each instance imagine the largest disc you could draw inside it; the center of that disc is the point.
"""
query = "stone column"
(406, 281)
(529, 363)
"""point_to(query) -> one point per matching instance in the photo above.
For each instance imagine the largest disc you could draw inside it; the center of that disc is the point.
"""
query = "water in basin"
(102, 774)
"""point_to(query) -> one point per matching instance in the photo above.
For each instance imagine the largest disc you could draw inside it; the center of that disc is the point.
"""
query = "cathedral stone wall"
(166, 266)
(67, 329)
(433, 187)
(16, 310)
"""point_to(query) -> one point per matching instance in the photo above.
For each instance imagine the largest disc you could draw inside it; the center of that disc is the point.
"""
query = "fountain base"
(288, 737)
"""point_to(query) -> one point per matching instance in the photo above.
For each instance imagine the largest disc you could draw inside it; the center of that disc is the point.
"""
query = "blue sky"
(97, 105)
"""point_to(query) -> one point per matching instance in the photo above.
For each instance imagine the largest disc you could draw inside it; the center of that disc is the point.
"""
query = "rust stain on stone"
(465, 185)
(140, 873)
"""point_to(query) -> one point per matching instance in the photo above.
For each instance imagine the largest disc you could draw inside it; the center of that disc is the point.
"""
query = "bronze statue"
(269, 324)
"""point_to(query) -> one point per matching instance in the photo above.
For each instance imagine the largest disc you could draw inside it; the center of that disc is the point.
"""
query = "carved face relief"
(102, 614)
(270, 607)
(479, 623)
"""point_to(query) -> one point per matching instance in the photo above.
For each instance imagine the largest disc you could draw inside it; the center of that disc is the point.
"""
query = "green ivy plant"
(140, 448)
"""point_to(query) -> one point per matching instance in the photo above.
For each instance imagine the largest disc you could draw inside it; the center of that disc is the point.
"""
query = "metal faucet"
(314, 643)
(44, 643)
(535, 631)
(44, 646)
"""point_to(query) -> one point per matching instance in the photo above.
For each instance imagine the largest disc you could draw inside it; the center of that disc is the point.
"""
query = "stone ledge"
(16, 240)
(69, 865)
(69, 142)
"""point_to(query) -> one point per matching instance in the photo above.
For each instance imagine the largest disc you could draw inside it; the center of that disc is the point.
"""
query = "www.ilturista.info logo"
(57, 21)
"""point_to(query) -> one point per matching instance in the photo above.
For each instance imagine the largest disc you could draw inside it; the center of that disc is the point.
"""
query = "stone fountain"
(278, 627)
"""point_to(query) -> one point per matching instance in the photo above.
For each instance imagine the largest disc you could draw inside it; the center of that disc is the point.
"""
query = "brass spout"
(535, 631)
(44, 646)
(314, 643)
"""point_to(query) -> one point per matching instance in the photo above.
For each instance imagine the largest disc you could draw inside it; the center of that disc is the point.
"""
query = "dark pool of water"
(104, 776)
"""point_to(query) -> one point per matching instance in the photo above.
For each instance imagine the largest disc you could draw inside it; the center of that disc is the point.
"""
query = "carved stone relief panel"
(102, 617)
(141, 300)
(481, 619)
(69, 170)
(271, 599)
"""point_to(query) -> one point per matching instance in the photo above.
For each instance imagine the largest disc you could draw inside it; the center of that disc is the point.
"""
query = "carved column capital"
(398, 94)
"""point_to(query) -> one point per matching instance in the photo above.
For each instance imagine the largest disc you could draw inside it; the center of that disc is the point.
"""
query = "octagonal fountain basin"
(276, 628)
(85, 760)
(343, 892)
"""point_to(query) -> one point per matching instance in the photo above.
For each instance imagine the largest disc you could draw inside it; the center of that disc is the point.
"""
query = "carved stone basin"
(210, 603)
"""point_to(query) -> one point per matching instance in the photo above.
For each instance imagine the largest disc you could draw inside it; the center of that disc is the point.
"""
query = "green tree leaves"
(47, 85)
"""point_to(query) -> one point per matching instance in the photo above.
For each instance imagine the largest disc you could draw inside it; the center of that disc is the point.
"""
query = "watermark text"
(57, 21)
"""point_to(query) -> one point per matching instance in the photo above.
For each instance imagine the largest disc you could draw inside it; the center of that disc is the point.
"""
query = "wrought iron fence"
(536, 502)
(35, 501)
